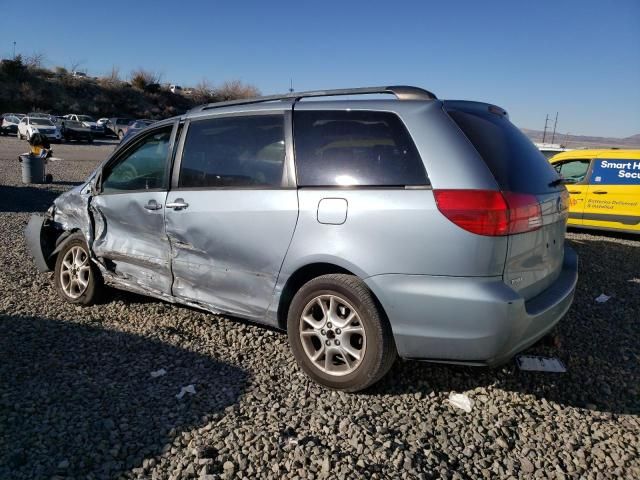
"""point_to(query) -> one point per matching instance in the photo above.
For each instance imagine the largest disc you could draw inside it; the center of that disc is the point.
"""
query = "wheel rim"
(75, 271)
(332, 335)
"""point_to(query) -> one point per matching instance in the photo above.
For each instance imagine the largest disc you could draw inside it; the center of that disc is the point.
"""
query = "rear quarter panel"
(390, 231)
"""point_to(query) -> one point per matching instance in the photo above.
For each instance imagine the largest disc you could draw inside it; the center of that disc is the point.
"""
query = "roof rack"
(402, 92)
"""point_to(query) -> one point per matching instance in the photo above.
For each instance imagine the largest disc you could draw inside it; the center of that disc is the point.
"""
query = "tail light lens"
(489, 212)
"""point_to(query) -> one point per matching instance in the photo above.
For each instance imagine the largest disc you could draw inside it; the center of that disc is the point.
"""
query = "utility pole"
(553, 137)
(14, 49)
(544, 134)
(291, 85)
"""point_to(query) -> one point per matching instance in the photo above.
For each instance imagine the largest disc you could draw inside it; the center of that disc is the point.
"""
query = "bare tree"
(35, 61)
(114, 76)
(75, 65)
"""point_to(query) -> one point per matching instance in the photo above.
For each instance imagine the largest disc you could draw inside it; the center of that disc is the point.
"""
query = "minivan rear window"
(516, 164)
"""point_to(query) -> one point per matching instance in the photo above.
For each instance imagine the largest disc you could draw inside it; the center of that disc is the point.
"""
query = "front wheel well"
(297, 280)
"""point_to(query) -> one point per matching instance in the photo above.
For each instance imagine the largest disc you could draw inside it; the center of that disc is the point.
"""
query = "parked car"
(30, 125)
(175, 88)
(48, 116)
(604, 186)
(19, 115)
(366, 229)
(9, 124)
(102, 123)
(72, 130)
(88, 122)
(118, 126)
(135, 127)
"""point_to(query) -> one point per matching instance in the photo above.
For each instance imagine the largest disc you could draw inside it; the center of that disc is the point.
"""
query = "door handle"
(178, 204)
(600, 192)
(573, 192)
(153, 205)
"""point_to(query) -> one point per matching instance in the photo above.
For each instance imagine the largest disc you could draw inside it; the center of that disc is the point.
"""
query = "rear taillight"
(488, 212)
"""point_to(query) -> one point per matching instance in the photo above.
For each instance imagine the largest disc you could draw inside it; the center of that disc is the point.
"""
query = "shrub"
(141, 78)
(234, 90)
(13, 69)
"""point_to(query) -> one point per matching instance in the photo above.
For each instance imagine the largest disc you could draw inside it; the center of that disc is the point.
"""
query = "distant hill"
(27, 88)
(577, 141)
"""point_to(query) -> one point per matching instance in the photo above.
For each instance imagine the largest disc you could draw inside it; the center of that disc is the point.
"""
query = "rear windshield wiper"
(556, 182)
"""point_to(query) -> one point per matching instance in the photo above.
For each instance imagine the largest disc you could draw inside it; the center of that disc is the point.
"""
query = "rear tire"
(339, 335)
(77, 280)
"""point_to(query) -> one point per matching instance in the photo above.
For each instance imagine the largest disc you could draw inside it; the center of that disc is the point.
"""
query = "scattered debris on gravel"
(77, 399)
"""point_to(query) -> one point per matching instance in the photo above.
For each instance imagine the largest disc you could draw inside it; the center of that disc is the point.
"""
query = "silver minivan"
(366, 227)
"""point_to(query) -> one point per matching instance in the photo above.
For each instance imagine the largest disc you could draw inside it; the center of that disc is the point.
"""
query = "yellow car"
(604, 187)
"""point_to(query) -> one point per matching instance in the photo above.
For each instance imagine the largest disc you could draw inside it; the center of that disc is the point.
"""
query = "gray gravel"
(77, 399)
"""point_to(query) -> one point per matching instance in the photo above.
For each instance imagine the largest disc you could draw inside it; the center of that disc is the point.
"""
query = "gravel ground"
(77, 399)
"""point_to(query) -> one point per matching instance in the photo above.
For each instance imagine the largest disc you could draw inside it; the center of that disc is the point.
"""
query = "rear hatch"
(535, 254)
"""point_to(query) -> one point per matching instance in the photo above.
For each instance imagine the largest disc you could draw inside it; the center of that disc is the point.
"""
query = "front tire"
(76, 279)
(339, 335)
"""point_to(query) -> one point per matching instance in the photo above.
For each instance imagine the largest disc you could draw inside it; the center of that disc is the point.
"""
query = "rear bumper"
(477, 320)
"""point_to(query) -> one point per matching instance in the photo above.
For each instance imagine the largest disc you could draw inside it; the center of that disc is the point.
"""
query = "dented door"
(228, 246)
(231, 212)
(130, 239)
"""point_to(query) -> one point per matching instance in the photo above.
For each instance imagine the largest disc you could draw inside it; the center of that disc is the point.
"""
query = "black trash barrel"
(32, 168)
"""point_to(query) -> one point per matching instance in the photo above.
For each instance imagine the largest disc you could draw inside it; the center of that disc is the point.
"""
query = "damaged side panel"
(228, 246)
(69, 213)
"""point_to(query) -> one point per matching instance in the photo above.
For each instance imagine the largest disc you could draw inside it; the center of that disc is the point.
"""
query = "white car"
(28, 126)
(87, 121)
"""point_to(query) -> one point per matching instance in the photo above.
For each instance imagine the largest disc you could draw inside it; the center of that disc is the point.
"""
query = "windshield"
(41, 121)
(85, 118)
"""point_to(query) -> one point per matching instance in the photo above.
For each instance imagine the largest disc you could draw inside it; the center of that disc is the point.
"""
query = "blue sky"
(580, 58)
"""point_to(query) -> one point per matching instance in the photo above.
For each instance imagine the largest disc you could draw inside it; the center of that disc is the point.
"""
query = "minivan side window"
(141, 168)
(238, 151)
(355, 148)
(573, 171)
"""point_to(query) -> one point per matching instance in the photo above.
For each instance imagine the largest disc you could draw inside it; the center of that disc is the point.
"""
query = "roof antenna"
(291, 85)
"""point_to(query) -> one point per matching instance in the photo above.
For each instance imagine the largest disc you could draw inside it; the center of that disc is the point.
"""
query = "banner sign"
(615, 171)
